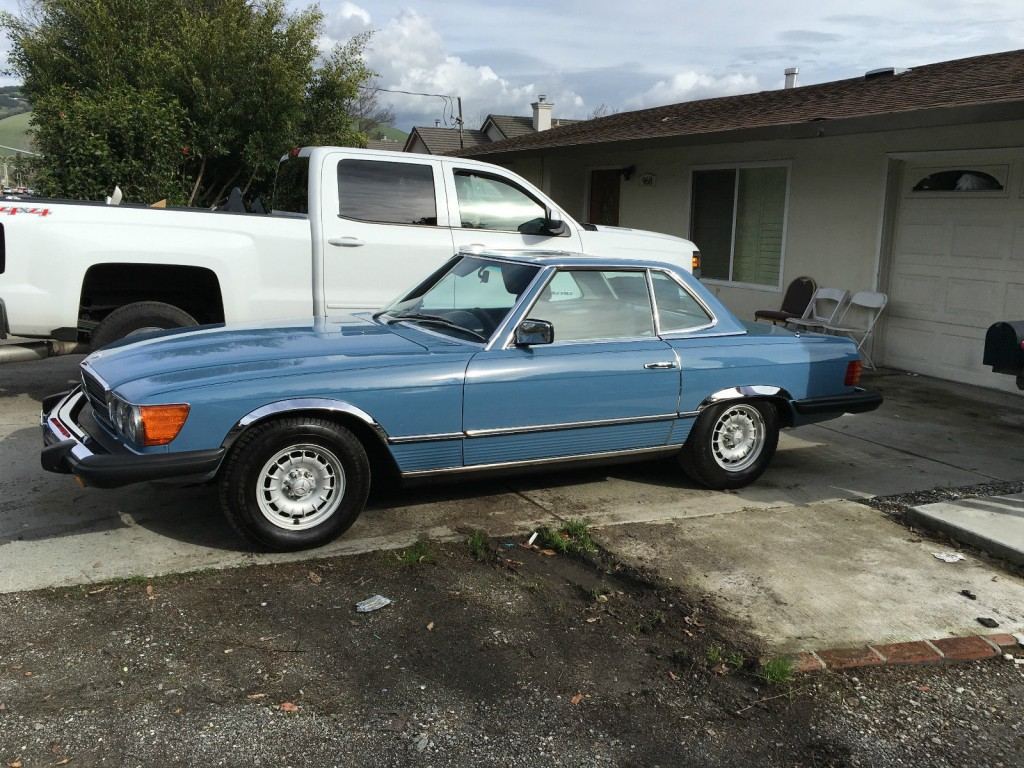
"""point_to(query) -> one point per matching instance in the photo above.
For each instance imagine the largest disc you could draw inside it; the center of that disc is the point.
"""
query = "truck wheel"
(731, 444)
(295, 483)
(137, 318)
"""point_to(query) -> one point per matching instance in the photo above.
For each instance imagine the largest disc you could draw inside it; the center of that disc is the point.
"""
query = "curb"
(942, 651)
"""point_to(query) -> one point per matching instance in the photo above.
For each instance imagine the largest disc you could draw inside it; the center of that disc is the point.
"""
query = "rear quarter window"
(291, 187)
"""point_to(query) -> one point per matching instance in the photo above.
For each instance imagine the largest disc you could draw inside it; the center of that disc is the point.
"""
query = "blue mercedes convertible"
(497, 361)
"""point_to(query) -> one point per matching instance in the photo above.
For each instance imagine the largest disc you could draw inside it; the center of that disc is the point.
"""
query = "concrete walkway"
(994, 524)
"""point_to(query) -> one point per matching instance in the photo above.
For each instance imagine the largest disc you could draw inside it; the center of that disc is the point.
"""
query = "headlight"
(125, 417)
(147, 424)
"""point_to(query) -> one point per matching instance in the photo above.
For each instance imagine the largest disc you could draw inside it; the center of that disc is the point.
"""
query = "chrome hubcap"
(300, 487)
(738, 437)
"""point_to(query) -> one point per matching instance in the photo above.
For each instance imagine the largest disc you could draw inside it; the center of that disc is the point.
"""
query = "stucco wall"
(836, 194)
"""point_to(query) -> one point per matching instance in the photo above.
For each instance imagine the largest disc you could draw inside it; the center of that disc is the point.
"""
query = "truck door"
(385, 227)
(490, 210)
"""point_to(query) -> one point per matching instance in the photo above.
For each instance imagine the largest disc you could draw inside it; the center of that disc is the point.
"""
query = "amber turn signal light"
(853, 371)
(162, 423)
(696, 261)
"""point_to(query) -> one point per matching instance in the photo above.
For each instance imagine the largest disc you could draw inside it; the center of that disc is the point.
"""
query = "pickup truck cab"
(348, 230)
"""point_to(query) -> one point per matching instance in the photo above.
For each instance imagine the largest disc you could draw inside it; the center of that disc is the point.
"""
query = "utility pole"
(462, 143)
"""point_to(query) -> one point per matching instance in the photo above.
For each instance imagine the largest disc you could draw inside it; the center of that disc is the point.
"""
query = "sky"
(500, 55)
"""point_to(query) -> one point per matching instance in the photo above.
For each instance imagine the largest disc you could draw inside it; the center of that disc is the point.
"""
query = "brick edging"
(944, 650)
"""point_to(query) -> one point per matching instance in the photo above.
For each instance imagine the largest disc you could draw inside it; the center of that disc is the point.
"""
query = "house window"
(958, 181)
(737, 221)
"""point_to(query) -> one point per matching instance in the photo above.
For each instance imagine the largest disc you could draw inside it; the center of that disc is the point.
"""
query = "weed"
(777, 671)
(572, 538)
(714, 654)
(479, 547)
(417, 554)
(735, 659)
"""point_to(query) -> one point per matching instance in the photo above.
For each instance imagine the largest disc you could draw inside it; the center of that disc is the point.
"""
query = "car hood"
(219, 354)
(638, 243)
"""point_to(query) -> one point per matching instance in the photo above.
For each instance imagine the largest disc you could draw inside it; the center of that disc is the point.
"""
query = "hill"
(14, 131)
(390, 133)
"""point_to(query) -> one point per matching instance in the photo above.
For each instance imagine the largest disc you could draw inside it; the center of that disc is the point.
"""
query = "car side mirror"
(533, 332)
(553, 225)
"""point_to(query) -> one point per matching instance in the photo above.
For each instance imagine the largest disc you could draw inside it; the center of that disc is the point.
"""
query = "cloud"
(410, 54)
(690, 85)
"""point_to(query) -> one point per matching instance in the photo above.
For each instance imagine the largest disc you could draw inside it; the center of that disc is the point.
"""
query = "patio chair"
(825, 307)
(859, 318)
(794, 302)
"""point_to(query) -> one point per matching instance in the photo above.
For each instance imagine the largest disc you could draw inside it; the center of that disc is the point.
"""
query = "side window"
(591, 305)
(487, 202)
(387, 193)
(677, 309)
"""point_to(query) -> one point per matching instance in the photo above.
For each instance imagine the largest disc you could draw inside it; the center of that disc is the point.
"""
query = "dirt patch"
(525, 659)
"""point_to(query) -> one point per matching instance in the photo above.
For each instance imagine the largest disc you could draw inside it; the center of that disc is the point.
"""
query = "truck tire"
(138, 317)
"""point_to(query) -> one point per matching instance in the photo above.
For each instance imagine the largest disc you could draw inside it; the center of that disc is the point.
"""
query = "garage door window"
(738, 221)
(959, 180)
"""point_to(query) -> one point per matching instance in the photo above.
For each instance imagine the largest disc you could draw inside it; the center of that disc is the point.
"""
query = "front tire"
(139, 317)
(731, 444)
(295, 483)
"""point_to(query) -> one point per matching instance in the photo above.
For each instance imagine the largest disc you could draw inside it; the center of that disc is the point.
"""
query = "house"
(443, 141)
(392, 145)
(909, 182)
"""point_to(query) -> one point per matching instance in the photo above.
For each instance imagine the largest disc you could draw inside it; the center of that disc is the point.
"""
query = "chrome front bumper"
(98, 460)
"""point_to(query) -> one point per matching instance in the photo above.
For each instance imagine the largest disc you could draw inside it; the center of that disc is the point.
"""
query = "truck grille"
(97, 395)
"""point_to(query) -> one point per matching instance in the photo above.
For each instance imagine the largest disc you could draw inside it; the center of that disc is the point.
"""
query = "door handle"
(346, 242)
(666, 365)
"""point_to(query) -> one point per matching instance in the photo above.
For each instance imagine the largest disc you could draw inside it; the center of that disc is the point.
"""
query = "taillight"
(696, 263)
(853, 371)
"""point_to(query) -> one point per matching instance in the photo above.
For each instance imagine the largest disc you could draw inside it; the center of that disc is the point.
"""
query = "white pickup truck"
(349, 229)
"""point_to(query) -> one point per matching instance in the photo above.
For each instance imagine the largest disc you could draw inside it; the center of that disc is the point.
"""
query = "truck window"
(387, 193)
(291, 187)
(489, 202)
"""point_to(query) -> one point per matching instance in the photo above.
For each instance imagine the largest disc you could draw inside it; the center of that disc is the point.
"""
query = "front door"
(491, 211)
(607, 383)
(385, 226)
(604, 197)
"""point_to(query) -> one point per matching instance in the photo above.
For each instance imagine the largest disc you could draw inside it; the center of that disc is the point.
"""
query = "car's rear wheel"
(295, 483)
(731, 444)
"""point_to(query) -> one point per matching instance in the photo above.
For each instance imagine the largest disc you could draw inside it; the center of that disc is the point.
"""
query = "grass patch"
(418, 554)
(479, 547)
(572, 538)
(715, 655)
(777, 671)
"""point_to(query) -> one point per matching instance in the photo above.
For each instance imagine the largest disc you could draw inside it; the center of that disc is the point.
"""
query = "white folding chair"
(859, 318)
(825, 307)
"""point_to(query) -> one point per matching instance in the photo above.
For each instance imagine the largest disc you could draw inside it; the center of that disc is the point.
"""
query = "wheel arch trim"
(305, 404)
(746, 393)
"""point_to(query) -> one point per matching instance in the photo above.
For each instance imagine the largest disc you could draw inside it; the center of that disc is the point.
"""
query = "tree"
(178, 98)
(602, 110)
(370, 115)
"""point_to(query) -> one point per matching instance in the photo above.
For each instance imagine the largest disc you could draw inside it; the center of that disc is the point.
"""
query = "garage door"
(957, 266)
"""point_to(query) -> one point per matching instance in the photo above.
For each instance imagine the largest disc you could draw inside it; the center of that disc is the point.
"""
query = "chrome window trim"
(553, 270)
(507, 327)
(703, 305)
(426, 438)
(658, 449)
(440, 334)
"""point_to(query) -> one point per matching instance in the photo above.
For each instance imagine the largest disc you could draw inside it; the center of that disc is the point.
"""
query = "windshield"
(468, 298)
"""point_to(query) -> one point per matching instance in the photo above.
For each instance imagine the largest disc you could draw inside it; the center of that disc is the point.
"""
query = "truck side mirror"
(553, 224)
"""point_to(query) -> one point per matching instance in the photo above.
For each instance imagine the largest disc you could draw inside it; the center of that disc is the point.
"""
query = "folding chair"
(866, 307)
(794, 303)
(826, 305)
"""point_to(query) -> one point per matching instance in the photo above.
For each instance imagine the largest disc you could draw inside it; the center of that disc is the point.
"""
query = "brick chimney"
(541, 113)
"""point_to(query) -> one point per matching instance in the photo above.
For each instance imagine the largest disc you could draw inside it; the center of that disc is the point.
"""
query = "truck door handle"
(346, 242)
(666, 365)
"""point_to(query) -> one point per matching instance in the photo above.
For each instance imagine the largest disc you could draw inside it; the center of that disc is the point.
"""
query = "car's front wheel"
(295, 483)
(731, 444)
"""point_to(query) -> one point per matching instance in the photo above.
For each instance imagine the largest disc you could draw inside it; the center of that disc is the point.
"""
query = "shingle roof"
(519, 125)
(988, 79)
(392, 144)
(440, 141)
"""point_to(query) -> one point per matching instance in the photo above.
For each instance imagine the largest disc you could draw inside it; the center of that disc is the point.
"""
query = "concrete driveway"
(928, 434)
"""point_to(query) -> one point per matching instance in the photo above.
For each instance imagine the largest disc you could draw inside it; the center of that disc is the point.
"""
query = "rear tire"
(295, 483)
(138, 317)
(731, 444)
